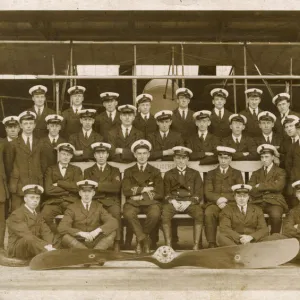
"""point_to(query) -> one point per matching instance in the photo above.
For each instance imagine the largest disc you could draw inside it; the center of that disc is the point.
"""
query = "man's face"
(219, 102)
(87, 123)
(237, 127)
(224, 160)
(164, 125)
(101, 157)
(290, 129)
(27, 126)
(203, 124)
(142, 155)
(266, 126)
(254, 101)
(266, 159)
(76, 99)
(181, 161)
(283, 106)
(32, 200)
(145, 107)
(12, 131)
(127, 118)
(241, 198)
(64, 157)
(87, 195)
(53, 129)
(110, 105)
(39, 100)
(183, 101)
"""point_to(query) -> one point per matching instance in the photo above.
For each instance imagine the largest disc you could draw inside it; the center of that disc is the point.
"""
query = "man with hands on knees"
(243, 222)
(86, 224)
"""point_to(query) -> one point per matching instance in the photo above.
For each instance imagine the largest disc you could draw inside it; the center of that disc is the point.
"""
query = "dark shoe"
(147, 243)
(212, 245)
(175, 246)
(153, 246)
(117, 246)
(138, 248)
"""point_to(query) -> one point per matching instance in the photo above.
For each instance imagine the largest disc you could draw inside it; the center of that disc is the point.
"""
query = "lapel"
(249, 213)
(57, 171)
(188, 174)
(141, 177)
(271, 173)
(102, 175)
(22, 145)
(83, 140)
(176, 114)
(29, 214)
(239, 214)
(82, 208)
(120, 133)
(159, 139)
(243, 142)
(92, 209)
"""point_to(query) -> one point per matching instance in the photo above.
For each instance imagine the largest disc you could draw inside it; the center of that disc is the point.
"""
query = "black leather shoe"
(212, 245)
(147, 243)
(138, 248)
(153, 246)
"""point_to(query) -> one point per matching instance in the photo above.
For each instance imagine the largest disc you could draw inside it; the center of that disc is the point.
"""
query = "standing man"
(252, 111)
(242, 222)
(245, 146)
(203, 144)
(71, 115)
(143, 189)
(183, 194)
(108, 178)
(218, 193)
(164, 139)
(12, 127)
(144, 120)
(86, 224)
(28, 233)
(38, 93)
(110, 118)
(60, 184)
(183, 121)
(267, 186)
(49, 143)
(83, 139)
(23, 159)
(122, 137)
(219, 115)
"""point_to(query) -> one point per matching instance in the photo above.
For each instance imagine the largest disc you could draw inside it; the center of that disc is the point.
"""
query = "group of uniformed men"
(39, 181)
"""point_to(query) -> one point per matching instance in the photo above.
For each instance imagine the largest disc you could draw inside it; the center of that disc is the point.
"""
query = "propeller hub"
(164, 254)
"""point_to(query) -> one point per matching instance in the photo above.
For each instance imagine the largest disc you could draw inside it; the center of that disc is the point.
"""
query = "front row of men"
(96, 224)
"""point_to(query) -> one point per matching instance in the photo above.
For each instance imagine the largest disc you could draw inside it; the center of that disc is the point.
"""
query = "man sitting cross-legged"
(86, 224)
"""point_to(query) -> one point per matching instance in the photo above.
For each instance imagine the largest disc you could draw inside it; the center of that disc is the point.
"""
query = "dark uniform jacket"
(279, 128)
(103, 124)
(146, 127)
(23, 165)
(77, 218)
(183, 188)
(233, 223)
(81, 143)
(117, 140)
(246, 144)
(66, 189)
(40, 129)
(199, 148)
(285, 152)
(252, 129)
(22, 224)
(292, 219)
(48, 153)
(292, 162)
(109, 184)
(134, 181)
(4, 193)
(218, 185)
(71, 122)
(173, 139)
(220, 127)
(270, 187)
(276, 140)
(186, 127)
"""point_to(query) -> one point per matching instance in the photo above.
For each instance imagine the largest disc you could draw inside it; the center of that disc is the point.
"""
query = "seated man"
(28, 233)
(203, 144)
(164, 139)
(83, 139)
(108, 178)
(123, 136)
(245, 146)
(143, 189)
(243, 222)
(12, 128)
(60, 185)
(267, 185)
(48, 143)
(218, 193)
(183, 194)
(144, 120)
(86, 224)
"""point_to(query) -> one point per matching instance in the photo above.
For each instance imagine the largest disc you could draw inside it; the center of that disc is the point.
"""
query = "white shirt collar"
(147, 115)
(204, 134)
(240, 207)
(113, 113)
(102, 167)
(124, 128)
(253, 110)
(268, 136)
(296, 138)
(183, 109)
(78, 108)
(285, 115)
(238, 138)
(88, 132)
(222, 170)
(9, 139)
(51, 138)
(217, 111)
(37, 108)
(162, 133)
(85, 204)
(269, 167)
(144, 166)
(25, 137)
(181, 170)
(32, 211)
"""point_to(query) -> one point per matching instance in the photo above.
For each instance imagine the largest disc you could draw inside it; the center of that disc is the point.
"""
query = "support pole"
(71, 66)
(291, 81)
(57, 98)
(234, 90)
(53, 81)
(2, 108)
(245, 71)
(134, 81)
(173, 71)
(182, 65)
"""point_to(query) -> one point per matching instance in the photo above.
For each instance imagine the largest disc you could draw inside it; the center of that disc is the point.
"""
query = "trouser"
(115, 211)
(211, 221)
(102, 242)
(275, 213)
(153, 213)
(2, 224)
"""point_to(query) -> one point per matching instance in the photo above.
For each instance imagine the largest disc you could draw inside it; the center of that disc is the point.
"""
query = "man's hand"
(54, 184)
(86, 236)
(246, 153)
(222, 200)
(119, 151)
(147, 189)
(49, 247)
(296, 226)
(168, 152)
(177, 205)
(186, 204)
(95, 232)
(137, 198)
(257, 185)
(78, 152)
(222, 205)
(245, 239)
(209, 153)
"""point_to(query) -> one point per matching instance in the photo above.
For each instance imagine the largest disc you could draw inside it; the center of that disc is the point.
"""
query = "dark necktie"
(164, 136)
(201, 137)
(76, 111)
(126, 133)
(53, 142)
(265, 171)
(181, 177)
(34, 213)
(39, 112)
(237, 141)
(110, 116)
(183, 114)
(28, 143)
(293, 140)
(268, 140)
(85, 135)
(222, 171)
(145, 118)
(141, 169)
(220, 114)
(87, 207)
(243, 210)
